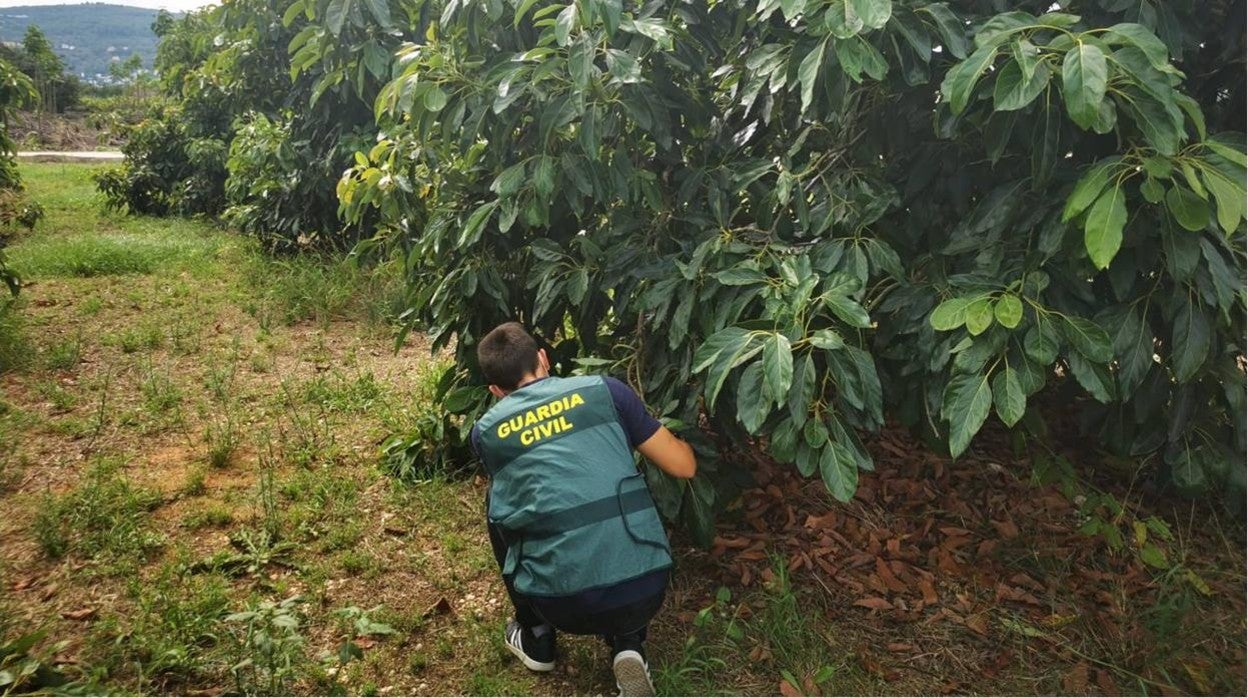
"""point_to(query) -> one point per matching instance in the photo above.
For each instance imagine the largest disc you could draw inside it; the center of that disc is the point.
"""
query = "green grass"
(122, 253)
(14, 346)
(105, 517)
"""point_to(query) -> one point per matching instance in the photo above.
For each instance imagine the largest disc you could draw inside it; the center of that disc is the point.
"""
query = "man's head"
(509, 357)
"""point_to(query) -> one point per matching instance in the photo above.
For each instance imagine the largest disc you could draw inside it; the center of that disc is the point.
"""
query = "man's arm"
(670, 453)
(651, 439)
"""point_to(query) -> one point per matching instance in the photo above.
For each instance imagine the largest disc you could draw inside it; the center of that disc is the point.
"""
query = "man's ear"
(497, 391)
(543, 361)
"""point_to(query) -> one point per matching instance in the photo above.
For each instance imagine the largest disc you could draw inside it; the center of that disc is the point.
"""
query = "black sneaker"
(538, 654)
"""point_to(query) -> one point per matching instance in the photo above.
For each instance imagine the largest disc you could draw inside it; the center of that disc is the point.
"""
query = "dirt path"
(74, 156)
(193, 432)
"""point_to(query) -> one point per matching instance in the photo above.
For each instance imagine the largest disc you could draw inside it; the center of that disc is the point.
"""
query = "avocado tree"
(800, 217)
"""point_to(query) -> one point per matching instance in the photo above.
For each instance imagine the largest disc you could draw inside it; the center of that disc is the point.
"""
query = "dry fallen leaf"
(874, 602)
(80, 614)
(787, 689)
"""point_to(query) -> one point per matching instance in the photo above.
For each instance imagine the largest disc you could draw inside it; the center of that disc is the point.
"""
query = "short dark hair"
(507, 354)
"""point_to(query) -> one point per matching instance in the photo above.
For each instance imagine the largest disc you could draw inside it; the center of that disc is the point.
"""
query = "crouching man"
(572, 524)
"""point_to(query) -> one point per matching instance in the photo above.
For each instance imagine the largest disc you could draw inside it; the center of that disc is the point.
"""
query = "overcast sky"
(154, 4)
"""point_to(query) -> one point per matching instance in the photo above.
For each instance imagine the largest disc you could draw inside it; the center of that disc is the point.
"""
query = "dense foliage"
(250, 134)
(98, 33)
(800, 217)
(792, 218)
(16, 91)
(36, 57)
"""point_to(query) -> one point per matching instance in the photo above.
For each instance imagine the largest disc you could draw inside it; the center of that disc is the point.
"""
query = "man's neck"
(531, 378)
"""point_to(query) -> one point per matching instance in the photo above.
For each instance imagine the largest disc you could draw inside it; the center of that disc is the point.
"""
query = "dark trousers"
(622, 626)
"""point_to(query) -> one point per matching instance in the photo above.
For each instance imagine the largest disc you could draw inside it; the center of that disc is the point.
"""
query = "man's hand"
(673, 456)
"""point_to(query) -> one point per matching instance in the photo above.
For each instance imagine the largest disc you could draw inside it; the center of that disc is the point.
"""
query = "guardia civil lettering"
(541, 422)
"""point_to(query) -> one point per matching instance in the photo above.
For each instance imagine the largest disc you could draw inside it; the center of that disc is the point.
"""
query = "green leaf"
(732, 356)
(967, 401)
(1094, 377)
(827, 339)
(509, 180)
(544, 176)
(959, 83)
(815, 433)
(1040, 344)
(476, 223)
(874, 13)
(1190, 342)
(777, 366)
(848, 310)
(839, 471)
(1229, 198)
(1009, 311)
(1227, 152)
(752, 405)
(521, 10)
(1102, 229)
(564, 24)
(1027, 56)
(1085, 76)
(434, 98)
(1152, 191)
(380, 10)
(979, 316)
(1139, 36)
(950, 314)
(1191, 211)
(1153, 556)
(998, 29)
(1013, 91)
(741, 276)
(952, 30)
(1008, 396)
(610, 11)
(581, 62)
(1089, 187)
(336, 15)
(842, 19)
(1088, 339)
(623, 66)
(802, 391)
(714, 345)
(808, 73)
(578, 285)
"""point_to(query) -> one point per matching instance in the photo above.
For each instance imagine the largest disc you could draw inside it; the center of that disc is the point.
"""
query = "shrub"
(800, 218)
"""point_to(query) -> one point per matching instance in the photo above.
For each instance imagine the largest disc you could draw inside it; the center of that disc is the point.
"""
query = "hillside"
(89, 35)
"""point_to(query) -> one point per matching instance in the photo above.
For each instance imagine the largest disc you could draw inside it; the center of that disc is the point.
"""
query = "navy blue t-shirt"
(638, 425)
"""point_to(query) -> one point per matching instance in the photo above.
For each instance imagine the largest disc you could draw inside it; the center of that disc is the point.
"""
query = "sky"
(174, 5)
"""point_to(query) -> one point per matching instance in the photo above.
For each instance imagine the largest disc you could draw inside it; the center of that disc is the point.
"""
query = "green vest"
(575, 511)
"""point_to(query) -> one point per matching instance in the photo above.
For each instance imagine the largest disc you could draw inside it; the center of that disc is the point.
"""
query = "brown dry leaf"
(978, 624)
(1106, 682)
(1075, 681)
(788, 690)
(874, 603)
(899, 647)
(80, 614)
(365, 643)
(928, 590)
(1006, 528)
(890, 580)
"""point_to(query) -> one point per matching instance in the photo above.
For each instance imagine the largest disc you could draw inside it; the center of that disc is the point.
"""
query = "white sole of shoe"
(530, 664)
(631, 675)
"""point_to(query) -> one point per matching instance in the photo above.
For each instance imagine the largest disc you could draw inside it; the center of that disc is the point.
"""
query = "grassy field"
(189, 439)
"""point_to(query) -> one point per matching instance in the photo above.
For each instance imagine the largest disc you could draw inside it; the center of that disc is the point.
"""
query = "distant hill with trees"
(89, 36)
